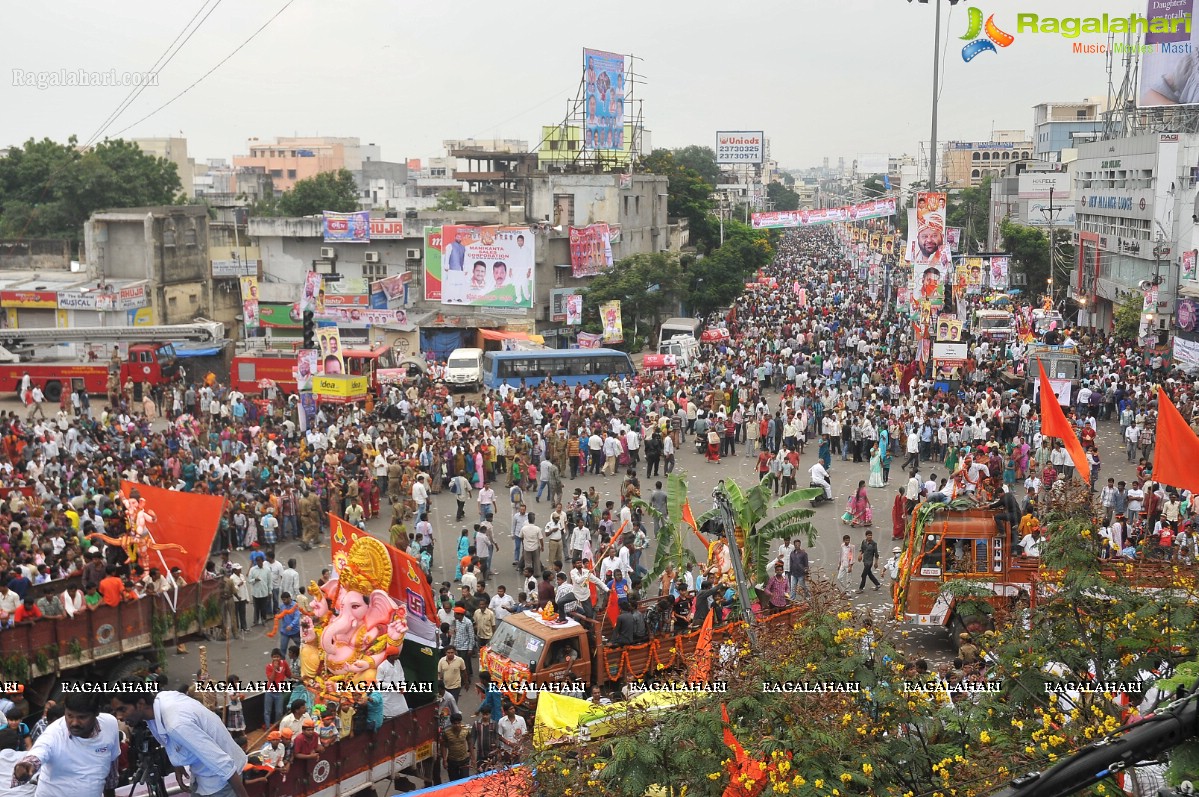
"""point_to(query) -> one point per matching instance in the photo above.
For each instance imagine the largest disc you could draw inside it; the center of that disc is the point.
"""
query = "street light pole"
(932, 148)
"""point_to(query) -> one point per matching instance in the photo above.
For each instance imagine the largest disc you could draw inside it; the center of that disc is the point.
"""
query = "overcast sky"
(828, 78)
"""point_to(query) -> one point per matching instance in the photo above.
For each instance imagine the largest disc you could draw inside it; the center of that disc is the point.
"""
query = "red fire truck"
(248, 370)
(149, 357)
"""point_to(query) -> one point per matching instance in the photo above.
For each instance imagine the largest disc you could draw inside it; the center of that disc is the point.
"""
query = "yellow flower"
(846, 777)
(713, 776)
(565, 771)
(867, 769)
(798, 780)
(819, 783)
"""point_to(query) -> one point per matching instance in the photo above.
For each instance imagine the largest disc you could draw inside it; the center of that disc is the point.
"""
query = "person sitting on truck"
(626, 627)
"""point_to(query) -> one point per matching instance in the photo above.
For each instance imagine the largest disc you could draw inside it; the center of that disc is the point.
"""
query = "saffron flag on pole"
(186, 520)
(701, 668)
(1177, 452)
(613, 610)
(689, 519)
(408, 583)
(1054, 424)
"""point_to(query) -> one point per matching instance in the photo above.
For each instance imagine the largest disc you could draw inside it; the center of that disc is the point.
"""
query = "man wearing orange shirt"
(111, 587)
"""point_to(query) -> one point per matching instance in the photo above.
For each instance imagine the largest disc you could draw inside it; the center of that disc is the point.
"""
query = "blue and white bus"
(565, 366)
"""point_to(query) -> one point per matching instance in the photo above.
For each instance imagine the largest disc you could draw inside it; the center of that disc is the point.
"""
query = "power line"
(218, 65)
(168, 54)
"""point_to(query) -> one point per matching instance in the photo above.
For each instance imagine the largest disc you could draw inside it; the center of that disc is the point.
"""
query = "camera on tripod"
(151, 764)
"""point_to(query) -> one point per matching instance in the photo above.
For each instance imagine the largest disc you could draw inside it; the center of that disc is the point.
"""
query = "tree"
(754, 532)
(648, 286)
(718, 278)
(1029, 248)
(335, 191)
(874, 186)
(701, 160)
(1128, 317)
(48, 190)
(782, 197)
(451, 200)
(969, 209)
(689, 196)
(888, 737)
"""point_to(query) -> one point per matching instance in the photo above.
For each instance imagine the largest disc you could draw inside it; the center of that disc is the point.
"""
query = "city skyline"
(417, 80)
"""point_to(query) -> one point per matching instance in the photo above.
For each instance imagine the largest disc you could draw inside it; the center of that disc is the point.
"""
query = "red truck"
(278, 365)
(149, 359)
(145, 363)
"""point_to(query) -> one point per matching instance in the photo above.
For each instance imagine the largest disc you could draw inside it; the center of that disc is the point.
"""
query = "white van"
(683, 347)
(464, 368)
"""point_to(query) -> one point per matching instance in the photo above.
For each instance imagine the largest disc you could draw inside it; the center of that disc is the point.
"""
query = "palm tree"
(753, 531)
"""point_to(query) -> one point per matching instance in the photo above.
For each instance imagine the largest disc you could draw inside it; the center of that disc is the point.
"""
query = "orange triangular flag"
(689, 519)
(1177, 452)
(1054, 424)
(701, 668)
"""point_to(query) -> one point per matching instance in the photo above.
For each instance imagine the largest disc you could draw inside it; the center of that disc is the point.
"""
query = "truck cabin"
(966, 545)
(365, 362)
(549, 654)
(152, 362)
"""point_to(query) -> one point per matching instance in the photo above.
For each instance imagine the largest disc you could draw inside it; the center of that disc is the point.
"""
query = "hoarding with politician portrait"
(603, 98)
(485, 266)
(590, 250)
(354, 228)
(927, 247)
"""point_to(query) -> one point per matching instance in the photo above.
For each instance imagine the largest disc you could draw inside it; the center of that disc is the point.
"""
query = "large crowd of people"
(817, 370)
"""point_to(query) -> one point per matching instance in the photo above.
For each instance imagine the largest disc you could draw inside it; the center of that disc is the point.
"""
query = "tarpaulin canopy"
(497, 783)
(495, 334)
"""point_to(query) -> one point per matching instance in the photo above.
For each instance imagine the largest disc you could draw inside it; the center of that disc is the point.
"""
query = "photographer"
(192, 736)
(76, 755)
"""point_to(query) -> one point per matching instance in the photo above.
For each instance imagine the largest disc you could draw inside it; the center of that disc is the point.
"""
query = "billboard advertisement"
(487, 266)
(603, 97)
(613, 328)
(307, 364)
(590, 250)
(1037, 185)
(558, 301)
(1188, 268)
(574, 310)
(862, 211)
(249, 301)
(1167, 73)
(999, 273)
(235, 268)
(740, 146)
(433, 244)
(352, 228)
(312, 295)
(331, 362)
(927, 248)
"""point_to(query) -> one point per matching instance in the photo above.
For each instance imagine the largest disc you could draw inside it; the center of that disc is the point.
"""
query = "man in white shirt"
(502, 603)
(532, 544)
(194, 738)
(1031, 544)
(580, 579)
(76, 755)
(390, 676)
(512, 731)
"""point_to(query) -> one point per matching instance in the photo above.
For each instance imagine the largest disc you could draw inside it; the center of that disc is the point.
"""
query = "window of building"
(564, 210)
(975, 173)
(1080, 114)
(172, 301)
(291, 174)
(974, 156)
(194, 298)
(986, 156)
(276, 172)
(1025, 156)
(190, 236)
(168, 234)
(554, 144)
(374, 271)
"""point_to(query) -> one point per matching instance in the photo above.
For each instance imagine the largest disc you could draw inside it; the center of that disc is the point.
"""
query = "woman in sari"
(857, 510)
(876, 467)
